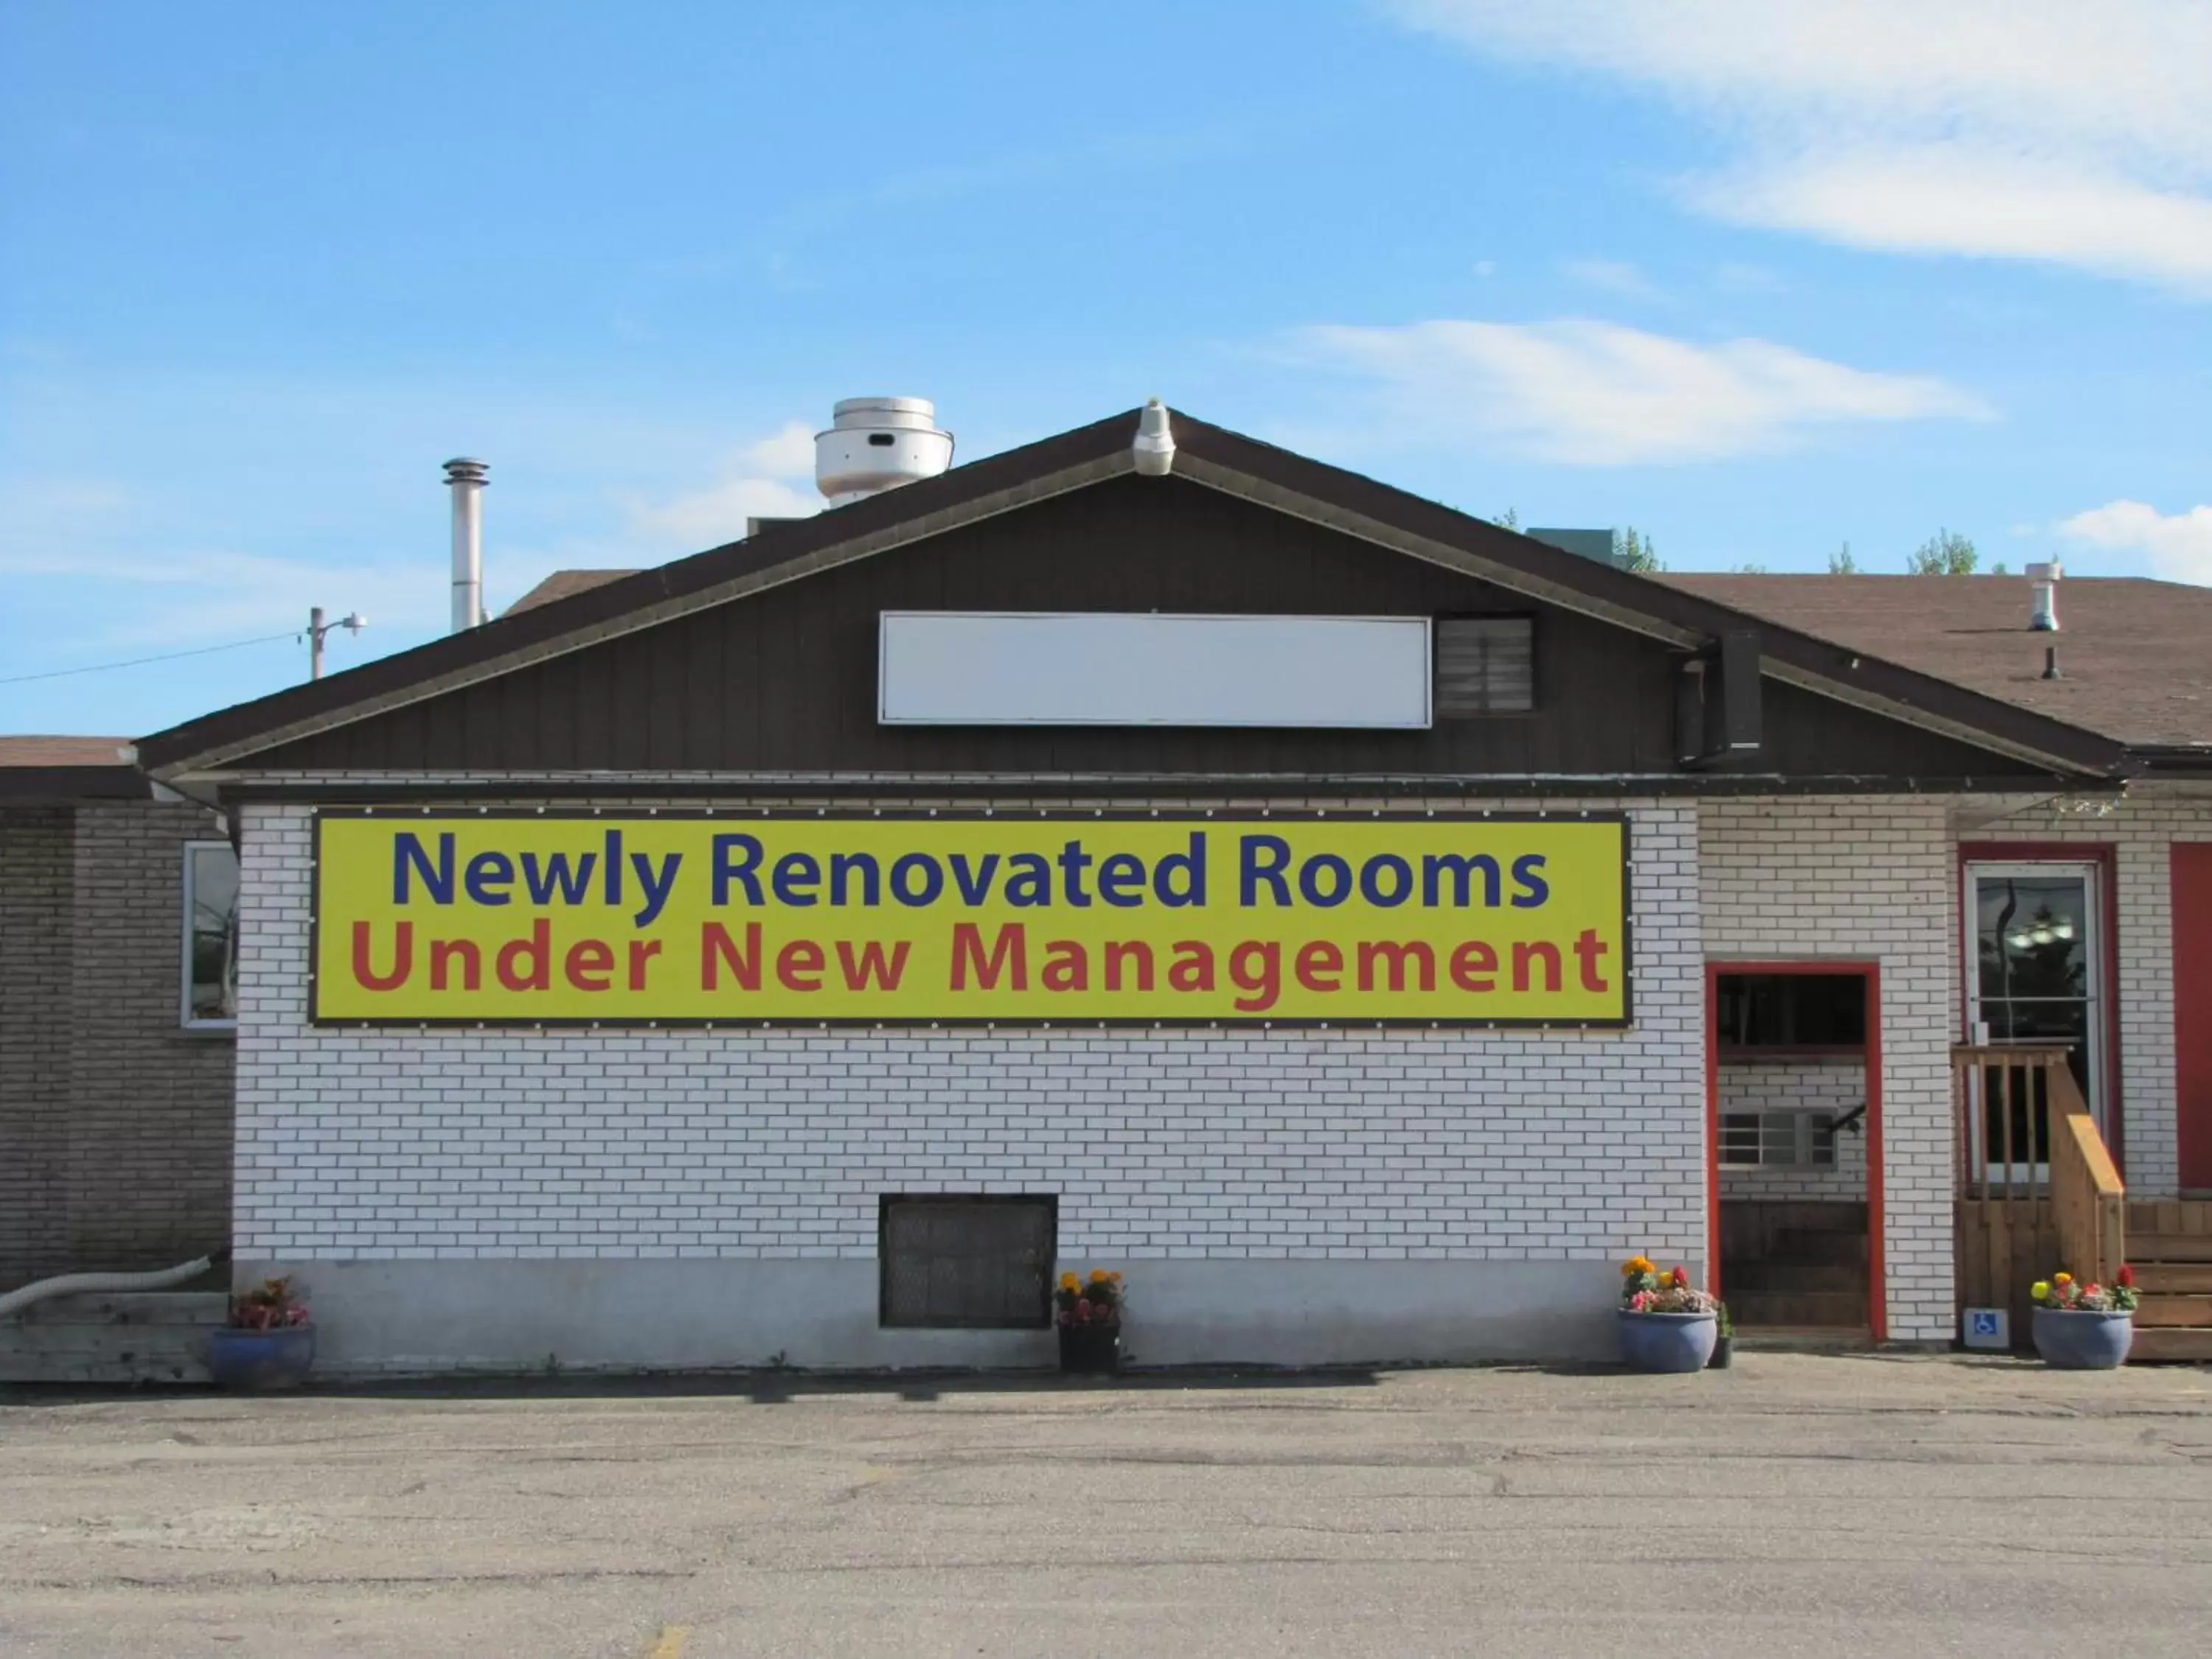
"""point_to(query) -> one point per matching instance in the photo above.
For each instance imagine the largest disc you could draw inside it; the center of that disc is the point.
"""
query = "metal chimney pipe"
(2042, 598)
(467, 478)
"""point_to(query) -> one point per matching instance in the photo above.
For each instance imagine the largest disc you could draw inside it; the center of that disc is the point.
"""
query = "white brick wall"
(2142, 830)
(362, 1145)
(1862, 878)
(1836, 1085)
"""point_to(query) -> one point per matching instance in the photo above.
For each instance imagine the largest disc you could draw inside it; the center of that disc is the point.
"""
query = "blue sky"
(1759, 280)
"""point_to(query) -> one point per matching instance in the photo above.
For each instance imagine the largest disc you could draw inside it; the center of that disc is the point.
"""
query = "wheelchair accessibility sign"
(1989, 1327)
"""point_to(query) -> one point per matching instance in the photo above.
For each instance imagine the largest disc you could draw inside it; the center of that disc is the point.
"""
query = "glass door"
(2035, 973)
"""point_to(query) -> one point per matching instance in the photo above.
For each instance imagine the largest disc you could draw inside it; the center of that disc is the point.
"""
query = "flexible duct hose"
(84, 1283)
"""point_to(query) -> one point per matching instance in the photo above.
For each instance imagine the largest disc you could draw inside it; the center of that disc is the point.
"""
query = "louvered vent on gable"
(1485, 665)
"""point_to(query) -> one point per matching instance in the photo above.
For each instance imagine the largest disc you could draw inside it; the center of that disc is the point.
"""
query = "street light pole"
(353, 622)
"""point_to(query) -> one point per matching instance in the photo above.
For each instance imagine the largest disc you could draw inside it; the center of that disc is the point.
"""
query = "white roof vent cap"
(875, 443)
(2043, 588)
(1155, 446)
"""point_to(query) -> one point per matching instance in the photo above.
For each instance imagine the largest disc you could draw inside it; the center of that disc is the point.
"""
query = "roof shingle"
(2135, 656)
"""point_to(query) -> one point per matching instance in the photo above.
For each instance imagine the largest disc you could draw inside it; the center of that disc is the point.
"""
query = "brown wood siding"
(786, 680)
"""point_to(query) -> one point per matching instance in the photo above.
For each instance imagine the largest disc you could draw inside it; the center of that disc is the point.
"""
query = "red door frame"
(1870, 971)
(2192, 872)
(2105, 856)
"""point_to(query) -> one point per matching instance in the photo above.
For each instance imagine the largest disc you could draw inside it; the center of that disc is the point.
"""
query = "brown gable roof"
(65, 769)
(1206, 455)
(562, 583)
(2135, 656)
(31, 751)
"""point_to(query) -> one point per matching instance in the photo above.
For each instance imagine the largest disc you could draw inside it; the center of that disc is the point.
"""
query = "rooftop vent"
(1593, 545)
(875, 443)
(2043, 588)
(467, 478)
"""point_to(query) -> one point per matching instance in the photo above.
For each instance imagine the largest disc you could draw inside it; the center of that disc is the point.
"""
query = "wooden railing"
(2037, 1189)
(2084, 1189)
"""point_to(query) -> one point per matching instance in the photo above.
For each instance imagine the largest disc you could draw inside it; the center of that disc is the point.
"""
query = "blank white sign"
(1001, 668)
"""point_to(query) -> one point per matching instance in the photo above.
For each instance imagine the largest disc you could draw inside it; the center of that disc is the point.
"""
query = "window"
(210, 949)
(1795, 1012)
(1786, 1140)
(1485, 665)
(968, 1262)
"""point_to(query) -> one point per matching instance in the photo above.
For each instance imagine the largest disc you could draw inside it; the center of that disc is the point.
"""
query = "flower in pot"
(269, 1343)
(1666, 1324)
(1089, 1313)
(1723, 1339)
(2085, 1327)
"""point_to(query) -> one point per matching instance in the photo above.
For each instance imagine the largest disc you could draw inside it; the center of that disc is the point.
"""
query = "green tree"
(1509, 519)
(1633, 550)
(1843, 564)
(1946, 553)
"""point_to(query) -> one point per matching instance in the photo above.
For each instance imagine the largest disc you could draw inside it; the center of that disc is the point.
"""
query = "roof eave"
(1208, 455)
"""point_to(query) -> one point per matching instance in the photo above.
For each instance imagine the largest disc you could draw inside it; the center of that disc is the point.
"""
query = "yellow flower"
(2060, 1279)
(1099, 1275)
(2041, 1289)
(1070, 1282)
(1638, 1264)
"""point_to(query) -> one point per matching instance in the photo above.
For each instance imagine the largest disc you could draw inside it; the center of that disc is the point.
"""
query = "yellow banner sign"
(917, 921)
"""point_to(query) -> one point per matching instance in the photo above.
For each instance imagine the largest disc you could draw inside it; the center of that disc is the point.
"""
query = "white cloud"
(2044, 130)
(770, 478)
(1613, 275)
(709, 517)
(1947, 199)
(787, 452)
(2179, 544)
(1597, 393)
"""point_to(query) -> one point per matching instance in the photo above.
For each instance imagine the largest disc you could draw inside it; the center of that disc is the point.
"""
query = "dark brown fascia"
(1380, 513)
(1206, 455)
(1176, 792)
(782, 552)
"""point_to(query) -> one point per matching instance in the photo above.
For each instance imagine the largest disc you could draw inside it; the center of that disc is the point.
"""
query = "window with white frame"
(210, 944)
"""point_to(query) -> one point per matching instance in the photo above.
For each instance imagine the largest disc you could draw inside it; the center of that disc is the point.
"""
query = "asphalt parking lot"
(1799, 1504)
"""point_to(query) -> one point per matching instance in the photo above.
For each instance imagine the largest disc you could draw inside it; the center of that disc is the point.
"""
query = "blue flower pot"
(2083, 1341)
(1668, 1342)
(261, 1360)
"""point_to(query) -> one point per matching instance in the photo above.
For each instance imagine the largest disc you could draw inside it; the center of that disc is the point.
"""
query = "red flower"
(2127, 1277)
(1682, 1277)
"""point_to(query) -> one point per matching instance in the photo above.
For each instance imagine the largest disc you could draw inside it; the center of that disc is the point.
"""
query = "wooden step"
(1774, 1276)
(2169, 1246)
(2192, 1312)
(2174, 1278)
(1824, 1249)
(2170, 1215)
(1804, 1338)
(2170, 1342)
(1812, 1308)
(143, 1336)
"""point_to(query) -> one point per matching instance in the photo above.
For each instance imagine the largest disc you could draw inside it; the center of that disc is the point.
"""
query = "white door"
(2035, 973)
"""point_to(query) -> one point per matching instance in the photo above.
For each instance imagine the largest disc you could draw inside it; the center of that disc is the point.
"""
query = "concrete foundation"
(387, 1317)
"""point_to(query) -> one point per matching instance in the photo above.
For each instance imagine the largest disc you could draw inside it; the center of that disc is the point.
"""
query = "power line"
(134, 662)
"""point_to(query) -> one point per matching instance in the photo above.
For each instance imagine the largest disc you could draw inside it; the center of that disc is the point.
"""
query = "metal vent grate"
(1485, 666)
(1799, 1139)
(975, 1263)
